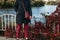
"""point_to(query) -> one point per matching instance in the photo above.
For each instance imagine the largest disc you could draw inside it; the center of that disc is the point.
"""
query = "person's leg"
(18, 28)
(26, 30)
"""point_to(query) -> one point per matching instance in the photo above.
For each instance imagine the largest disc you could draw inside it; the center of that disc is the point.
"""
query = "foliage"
(7, 5)
(10, 5)
(52, 3)
(38, 4)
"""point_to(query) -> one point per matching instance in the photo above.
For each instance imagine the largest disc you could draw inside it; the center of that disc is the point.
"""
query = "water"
(44, 9)
(36, 11)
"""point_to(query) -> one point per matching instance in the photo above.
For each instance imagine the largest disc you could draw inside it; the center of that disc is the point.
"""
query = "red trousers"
(18, 29)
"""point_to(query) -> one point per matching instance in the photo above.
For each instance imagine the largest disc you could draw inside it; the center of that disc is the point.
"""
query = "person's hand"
(30, 17)
(26, 14)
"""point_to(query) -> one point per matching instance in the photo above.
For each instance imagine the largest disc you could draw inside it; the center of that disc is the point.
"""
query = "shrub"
(10, 5)
(38, 4)
(52, 3)
(7, 5)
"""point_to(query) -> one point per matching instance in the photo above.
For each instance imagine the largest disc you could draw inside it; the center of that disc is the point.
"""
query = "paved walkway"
(4, 38)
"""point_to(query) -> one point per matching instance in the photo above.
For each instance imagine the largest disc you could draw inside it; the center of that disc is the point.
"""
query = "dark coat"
(20, 17)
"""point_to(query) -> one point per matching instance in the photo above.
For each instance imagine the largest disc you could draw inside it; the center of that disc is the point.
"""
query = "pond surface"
(36, 11)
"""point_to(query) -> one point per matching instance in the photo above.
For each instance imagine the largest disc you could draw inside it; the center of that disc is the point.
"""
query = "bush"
(10, 5)
(52, 3)
(38, 4)
(6, 5)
